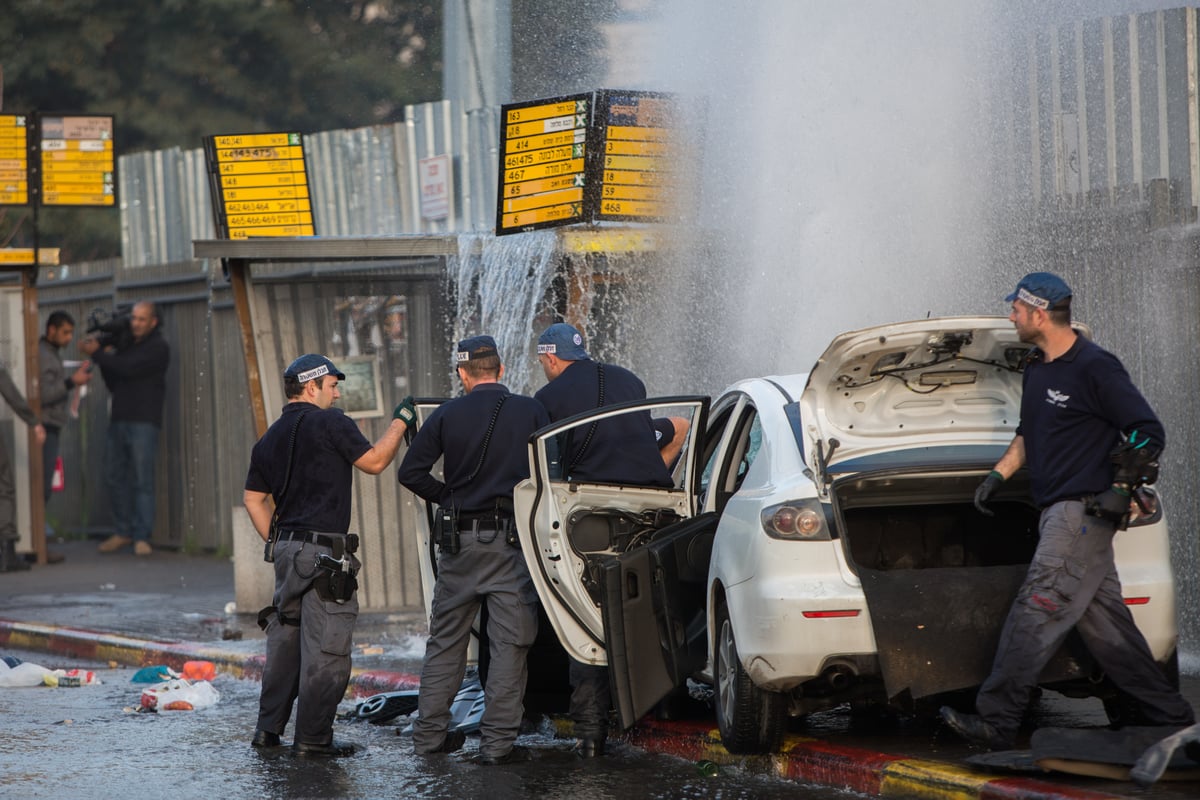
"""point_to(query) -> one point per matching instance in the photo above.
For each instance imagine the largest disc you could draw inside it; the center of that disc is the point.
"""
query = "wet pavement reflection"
(89, 742)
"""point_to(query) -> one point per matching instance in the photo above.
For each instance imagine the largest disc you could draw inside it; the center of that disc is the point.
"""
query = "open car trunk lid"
(932, 382)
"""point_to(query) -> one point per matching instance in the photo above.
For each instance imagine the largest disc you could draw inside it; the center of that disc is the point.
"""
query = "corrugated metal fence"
(363, 182)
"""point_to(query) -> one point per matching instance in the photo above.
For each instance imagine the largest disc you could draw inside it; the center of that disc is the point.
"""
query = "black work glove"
(985, 490)
(406, 411)
(1112, 504)
(1135, 460)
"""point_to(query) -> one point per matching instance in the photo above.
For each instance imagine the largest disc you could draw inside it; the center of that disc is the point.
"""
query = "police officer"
(482, 439)
(304, 461)
(1089, 439)
(631, 448)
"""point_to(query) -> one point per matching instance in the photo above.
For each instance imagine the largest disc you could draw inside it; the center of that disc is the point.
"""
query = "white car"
(821, 545)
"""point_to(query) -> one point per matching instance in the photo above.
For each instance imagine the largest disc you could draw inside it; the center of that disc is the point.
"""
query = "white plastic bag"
(23, 674)
(179, 695)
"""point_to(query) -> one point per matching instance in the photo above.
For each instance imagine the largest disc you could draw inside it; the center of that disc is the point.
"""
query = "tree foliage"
(175, 71)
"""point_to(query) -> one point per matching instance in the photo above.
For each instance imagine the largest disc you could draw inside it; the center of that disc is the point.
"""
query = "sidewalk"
(169, 608)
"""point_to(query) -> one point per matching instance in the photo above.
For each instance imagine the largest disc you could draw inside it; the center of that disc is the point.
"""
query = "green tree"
(175, 71)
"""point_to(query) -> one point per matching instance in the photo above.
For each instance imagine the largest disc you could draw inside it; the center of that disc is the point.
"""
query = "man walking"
(305, 462)
(481, 439)
(1089, 439)
(136, 377)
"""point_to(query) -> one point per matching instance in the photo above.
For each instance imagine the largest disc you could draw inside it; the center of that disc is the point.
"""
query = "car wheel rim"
(728, 672)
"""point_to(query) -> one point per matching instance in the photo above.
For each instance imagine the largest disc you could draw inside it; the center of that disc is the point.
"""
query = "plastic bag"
(155, 674)
(24, 674)
(199, 670)
(179, 695)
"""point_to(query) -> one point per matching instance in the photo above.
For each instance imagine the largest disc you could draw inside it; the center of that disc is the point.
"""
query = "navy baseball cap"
(476, 347)
(562, 340)
(311, 366)
(1042, 290)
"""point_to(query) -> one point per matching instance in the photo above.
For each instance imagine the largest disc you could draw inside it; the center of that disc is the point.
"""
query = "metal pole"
(33, 394)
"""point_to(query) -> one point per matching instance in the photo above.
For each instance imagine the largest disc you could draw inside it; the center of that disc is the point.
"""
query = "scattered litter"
(371, 650)
(155, 674)
(25, 673)
(231, 607)
(108, 587)
(71, 677)
(199, 670)
(179, 695)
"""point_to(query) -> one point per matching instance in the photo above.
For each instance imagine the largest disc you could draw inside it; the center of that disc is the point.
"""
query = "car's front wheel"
(751, 720)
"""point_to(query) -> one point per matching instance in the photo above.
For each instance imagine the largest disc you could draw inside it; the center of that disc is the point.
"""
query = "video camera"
(110, 328)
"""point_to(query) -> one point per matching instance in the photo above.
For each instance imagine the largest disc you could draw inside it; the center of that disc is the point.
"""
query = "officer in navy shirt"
(1089, 439)
(482, 439)
(306, 461)
(631, 448)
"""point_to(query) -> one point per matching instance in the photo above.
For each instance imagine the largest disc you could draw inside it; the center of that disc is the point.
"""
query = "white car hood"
(926, 383)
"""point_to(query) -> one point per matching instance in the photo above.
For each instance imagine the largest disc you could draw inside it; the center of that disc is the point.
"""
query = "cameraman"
(135, 375)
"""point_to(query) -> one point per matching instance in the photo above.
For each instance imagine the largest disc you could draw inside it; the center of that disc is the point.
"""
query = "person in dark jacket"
(481, 440)
(1089, 440)
(631, 449)
(55, 388)
(136, 377)
(10, 561)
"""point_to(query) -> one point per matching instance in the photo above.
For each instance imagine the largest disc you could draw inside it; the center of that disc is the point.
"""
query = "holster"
(445, 530)
(337, 587)
(269, 547)
(338, 580)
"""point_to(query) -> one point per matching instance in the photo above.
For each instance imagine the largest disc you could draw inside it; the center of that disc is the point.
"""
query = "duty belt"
(312, 537)
(488, 523)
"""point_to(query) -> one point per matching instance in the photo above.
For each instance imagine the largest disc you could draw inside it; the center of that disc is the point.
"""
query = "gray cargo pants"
(481, 569)
(1072, 583)
(307, 662)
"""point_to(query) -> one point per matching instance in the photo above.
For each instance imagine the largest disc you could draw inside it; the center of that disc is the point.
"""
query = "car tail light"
(839, 614)
(800, 519)
(1136, 601)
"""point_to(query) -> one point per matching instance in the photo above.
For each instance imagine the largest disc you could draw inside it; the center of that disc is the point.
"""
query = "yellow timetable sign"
(637, 167)
(260, 185)
(544, 156)
(78, 163)
(16, 256)
(14, 160)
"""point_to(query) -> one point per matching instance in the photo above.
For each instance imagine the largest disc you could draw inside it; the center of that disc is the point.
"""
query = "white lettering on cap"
(547, 348)
(316, 372)
(462, 355)
(1025, 296)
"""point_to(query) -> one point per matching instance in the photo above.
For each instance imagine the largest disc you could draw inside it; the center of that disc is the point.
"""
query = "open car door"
(607, 559)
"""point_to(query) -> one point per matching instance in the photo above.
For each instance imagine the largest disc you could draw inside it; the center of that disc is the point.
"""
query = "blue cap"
(311, 366)
(1042, 290)
(476, 347)
(562, 340)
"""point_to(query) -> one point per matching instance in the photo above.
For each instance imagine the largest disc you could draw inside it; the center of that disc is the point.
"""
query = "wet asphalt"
(174, 597)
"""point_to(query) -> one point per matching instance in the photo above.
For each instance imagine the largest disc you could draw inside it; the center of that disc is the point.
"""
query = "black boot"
(9, 560)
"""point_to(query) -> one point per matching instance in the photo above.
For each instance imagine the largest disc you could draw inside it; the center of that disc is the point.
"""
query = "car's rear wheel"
(751, 720)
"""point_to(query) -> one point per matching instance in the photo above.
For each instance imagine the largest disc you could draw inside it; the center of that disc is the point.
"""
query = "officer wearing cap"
(481, 438)
(1089, 439)
(305, 463)
(631, 449)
